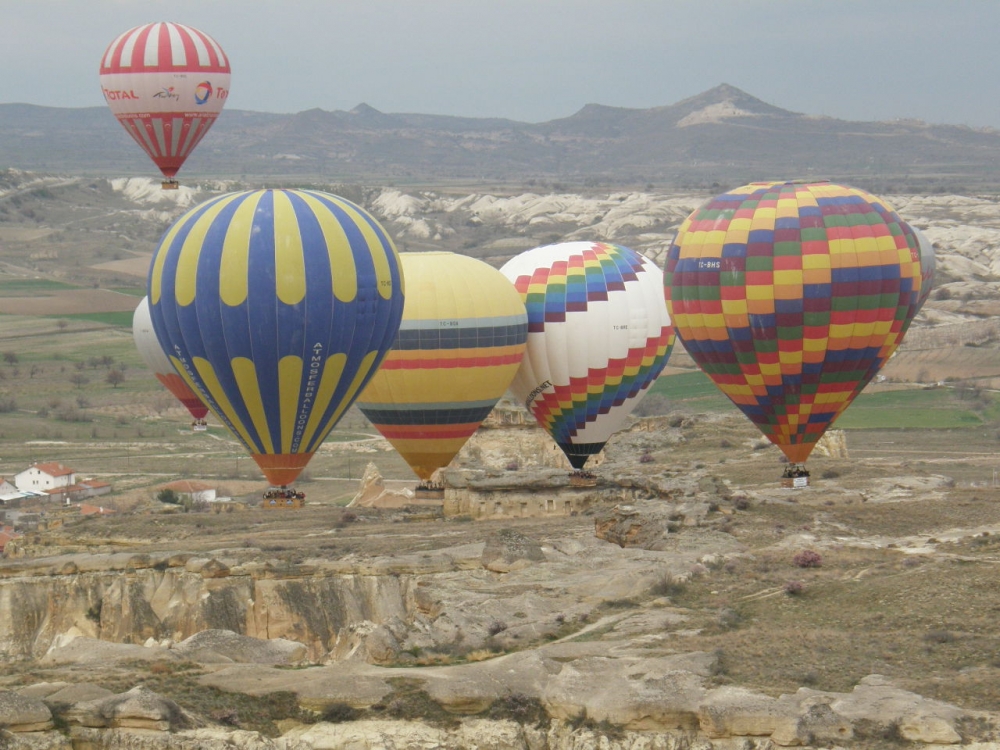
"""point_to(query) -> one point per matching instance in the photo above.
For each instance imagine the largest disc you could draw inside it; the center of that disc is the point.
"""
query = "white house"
(197, 491)
(44, 476)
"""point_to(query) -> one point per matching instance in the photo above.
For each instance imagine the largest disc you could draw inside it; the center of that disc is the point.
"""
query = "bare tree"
(115, 378)
(10, 358)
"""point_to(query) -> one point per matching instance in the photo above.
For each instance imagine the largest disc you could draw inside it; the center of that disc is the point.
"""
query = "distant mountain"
(723, 136)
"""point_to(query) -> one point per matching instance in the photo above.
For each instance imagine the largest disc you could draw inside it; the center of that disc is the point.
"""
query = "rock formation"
(372, 492)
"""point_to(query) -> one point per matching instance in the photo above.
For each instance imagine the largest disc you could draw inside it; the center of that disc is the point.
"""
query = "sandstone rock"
(832, 444)
(42, 689)
(368, 735)
(239, 648)
(206, 567)
(94, 651)
(919, 719)
(509, 550)
(139, 708)
(643, 694)
(819, 724)
(64, 692)
(627, 526)
(733, 711)
(34, 740)
(372, 492)
(84, 691)
(21, 713)
(207, 738)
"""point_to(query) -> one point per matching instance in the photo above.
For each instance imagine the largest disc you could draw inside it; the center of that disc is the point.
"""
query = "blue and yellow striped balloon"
(277, 306)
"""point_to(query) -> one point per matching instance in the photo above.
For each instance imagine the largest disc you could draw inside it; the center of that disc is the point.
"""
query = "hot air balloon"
(157, 361)
(277, 306)
(790, 296)
(598, 336)
(166, 83)
(927, 264)
(458, 347)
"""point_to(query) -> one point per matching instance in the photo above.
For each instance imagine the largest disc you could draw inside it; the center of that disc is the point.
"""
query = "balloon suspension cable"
(170, 184)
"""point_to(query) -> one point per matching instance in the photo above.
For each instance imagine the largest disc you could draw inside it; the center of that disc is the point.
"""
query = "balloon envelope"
(598, 336)
(927, 265)
(157, 361)
(166, 83)
(461, 341)
(278, 306)
(791, 296)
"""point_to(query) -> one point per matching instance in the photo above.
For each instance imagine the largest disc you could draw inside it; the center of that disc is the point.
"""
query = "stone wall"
(525, 503)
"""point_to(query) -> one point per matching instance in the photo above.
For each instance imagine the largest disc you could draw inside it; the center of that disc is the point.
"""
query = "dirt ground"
(68, 302)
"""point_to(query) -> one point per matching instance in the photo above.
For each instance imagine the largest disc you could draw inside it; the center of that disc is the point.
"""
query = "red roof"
(53, 469)
(6, 534)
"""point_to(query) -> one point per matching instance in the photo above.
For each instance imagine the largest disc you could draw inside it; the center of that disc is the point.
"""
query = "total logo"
(204, 91)
(114, 95)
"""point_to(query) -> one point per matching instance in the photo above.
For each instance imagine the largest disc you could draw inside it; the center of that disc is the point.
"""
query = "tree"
(168, 496)
(79, 379)
(10, 358)
(115, 378)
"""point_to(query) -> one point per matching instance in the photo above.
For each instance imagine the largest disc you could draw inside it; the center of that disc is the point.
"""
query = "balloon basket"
(582, 478)
(284, 498)
(795, 477)
(429, 491)
(169, 185)
(199, 426)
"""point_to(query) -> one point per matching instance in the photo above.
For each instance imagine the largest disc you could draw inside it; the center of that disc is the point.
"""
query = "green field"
(934, 409)
(913, 408)
(17, 287)
(123, 319)
(691, 390)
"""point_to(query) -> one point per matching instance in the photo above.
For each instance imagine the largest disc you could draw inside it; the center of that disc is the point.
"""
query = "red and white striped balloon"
(166, 83)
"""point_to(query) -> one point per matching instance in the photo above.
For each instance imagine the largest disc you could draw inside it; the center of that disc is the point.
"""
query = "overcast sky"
(538, 60)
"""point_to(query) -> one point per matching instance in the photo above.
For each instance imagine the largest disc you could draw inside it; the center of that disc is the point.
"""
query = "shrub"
(523, 709)
(337, 713)
(168, 496)
(939, 636)
(496, 627)
(230, 717)
(807, 558)
(794, 588)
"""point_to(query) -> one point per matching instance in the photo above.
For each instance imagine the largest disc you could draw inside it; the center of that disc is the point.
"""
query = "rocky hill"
(722, 136)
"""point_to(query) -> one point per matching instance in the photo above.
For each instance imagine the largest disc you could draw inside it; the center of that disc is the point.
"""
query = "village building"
(79, 491)
(194, 492)
(41, 477)
(7, 534)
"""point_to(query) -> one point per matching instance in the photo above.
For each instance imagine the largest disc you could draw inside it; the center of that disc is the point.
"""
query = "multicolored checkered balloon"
(791, 296)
